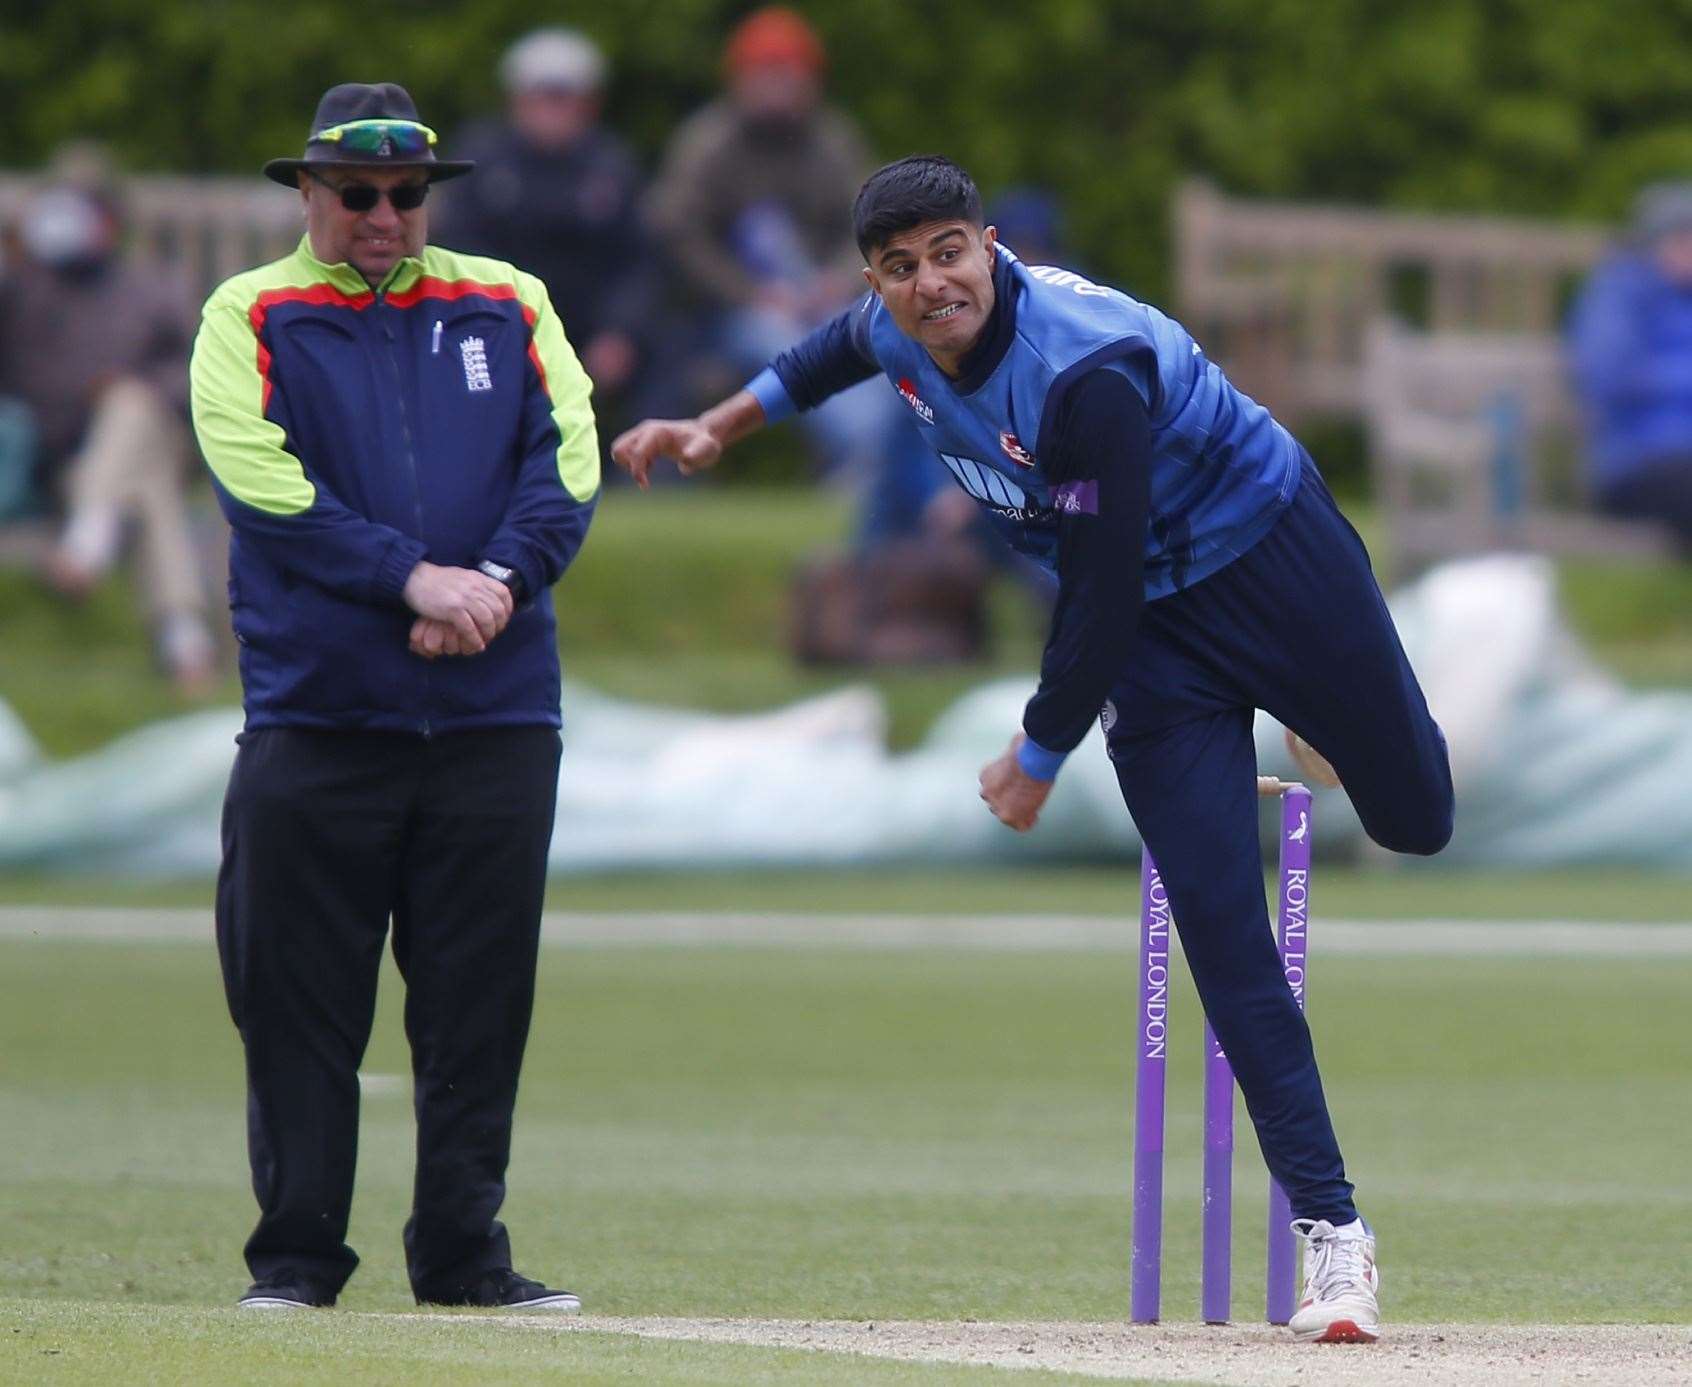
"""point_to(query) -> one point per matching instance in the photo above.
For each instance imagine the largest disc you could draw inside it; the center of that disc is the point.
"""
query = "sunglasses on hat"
(362, 197)
(385, 138)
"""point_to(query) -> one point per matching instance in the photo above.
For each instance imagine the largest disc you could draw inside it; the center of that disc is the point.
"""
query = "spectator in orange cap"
(775, 62)
(753, 206)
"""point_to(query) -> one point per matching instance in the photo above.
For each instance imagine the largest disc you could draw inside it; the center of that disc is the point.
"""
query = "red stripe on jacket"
(428, 287)
(315, 293)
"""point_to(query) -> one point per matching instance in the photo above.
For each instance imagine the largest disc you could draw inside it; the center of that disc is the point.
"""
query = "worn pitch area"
(1245, 1355)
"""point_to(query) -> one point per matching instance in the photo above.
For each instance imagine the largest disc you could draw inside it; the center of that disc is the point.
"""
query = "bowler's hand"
(471, 603)
(1011, 793)
(689, 443)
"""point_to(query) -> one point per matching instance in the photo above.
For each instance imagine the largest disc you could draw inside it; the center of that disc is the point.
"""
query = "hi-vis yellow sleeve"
(229, 389)
(567, 387)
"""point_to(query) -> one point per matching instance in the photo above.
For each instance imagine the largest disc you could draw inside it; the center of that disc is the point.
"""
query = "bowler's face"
(937, 282)
(371, 242)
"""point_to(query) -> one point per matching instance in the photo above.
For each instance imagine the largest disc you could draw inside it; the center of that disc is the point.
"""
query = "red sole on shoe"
(1346, 1332)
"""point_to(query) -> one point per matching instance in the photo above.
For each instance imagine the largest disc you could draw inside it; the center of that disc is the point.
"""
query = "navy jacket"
(352, 433)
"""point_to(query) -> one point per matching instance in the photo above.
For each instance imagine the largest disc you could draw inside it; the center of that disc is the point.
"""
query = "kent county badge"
(1015, 451)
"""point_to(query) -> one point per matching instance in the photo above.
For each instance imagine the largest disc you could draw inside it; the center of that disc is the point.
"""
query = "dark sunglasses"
(361, 197)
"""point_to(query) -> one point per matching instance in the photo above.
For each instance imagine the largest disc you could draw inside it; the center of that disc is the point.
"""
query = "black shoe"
(283, 1290)
(502, 1286)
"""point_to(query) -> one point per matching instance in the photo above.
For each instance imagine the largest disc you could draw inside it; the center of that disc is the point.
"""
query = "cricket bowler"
(1204, 571)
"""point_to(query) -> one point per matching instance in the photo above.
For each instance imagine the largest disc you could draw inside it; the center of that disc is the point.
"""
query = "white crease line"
(1009, 933)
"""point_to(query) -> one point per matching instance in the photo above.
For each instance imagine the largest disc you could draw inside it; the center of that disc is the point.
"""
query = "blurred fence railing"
(1290, 298)
(210, 228)
(1283, 294)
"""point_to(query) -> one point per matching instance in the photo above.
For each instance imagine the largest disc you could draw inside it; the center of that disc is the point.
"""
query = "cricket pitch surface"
(1235, 1355)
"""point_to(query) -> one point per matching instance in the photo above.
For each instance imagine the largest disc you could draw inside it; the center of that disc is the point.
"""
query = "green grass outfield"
(831, 1134)
(51, 1342)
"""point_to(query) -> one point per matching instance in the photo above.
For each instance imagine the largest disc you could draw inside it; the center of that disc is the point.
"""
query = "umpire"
(402, 442)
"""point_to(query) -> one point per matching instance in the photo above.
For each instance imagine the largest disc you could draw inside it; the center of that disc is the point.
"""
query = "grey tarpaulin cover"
(1555, 763)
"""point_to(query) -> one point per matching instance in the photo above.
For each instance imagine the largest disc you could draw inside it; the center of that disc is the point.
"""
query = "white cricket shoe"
(1312, 765)
(1340, 1282)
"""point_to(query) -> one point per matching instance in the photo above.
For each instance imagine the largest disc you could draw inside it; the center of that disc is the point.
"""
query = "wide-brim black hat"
(358, 101)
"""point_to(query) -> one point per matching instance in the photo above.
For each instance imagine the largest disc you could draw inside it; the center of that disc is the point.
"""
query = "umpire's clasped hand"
(459, 610)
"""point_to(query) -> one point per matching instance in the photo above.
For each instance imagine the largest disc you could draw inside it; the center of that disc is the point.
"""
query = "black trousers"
(326, 836)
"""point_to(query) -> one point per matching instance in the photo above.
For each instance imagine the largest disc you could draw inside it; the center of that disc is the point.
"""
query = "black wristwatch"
(501, 574)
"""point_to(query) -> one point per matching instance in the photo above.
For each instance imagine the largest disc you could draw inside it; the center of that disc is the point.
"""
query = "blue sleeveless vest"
(1222, 468)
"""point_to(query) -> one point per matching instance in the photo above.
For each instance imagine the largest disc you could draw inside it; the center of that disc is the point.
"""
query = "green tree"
(1558, 108)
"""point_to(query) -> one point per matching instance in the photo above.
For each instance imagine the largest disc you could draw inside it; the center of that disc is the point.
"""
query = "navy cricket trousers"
(1296, 626)
(326, 837)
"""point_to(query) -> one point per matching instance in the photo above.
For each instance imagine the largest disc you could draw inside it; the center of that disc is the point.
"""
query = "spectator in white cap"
(553, 62)
(556, 194)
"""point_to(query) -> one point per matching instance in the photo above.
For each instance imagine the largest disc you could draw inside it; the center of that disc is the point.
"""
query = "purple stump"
(1151, 1045)
(1215, 1286)
(1294, 921)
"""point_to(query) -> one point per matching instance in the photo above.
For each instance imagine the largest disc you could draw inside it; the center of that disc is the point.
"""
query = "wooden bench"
(1475, 446)
(1438, 333)
(1283, 295)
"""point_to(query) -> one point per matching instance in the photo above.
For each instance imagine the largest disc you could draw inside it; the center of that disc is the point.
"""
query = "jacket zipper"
(411, 466)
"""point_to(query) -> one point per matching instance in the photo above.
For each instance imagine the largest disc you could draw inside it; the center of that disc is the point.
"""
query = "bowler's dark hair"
(917, 189)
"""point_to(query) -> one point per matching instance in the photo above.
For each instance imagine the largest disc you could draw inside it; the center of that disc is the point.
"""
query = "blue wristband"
(772, 396)
(1037, 762)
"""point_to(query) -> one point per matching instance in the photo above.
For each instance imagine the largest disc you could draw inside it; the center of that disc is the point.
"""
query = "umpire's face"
(369, 218)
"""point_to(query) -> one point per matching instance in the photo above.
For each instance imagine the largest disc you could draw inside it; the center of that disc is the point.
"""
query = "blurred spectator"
(558, 195)
(95, 348)
(1030, 222)
(754, 204)
(1631, 348)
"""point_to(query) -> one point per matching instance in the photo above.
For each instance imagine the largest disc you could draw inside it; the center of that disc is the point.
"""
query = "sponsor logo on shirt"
(1077, 498)
(1015, 451)
(907, 391)
(996, 491)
